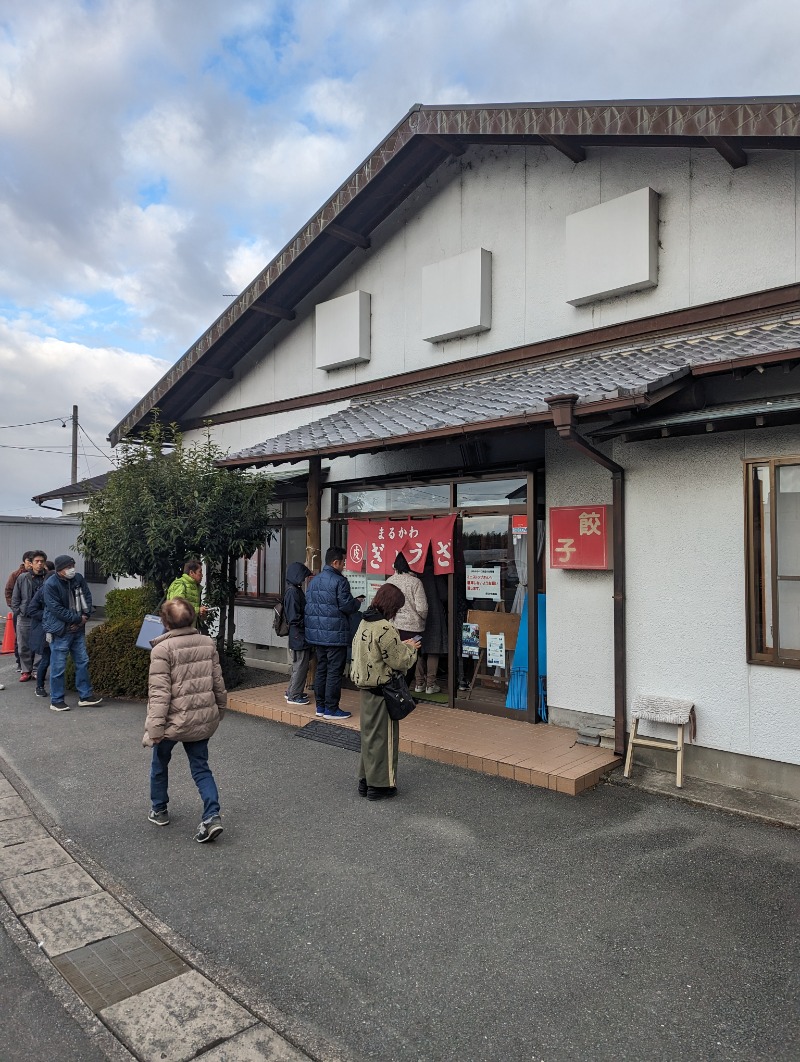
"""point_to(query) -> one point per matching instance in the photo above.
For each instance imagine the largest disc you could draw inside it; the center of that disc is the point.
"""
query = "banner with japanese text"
(374, 544)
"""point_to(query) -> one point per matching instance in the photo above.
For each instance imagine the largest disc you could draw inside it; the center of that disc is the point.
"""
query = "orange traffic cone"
(9, 637)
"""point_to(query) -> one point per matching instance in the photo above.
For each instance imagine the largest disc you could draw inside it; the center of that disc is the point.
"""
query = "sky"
(156, 154)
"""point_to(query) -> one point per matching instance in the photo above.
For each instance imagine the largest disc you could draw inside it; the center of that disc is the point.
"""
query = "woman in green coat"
(378, 653)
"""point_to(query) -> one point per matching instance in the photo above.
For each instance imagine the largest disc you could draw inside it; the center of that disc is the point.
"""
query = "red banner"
(357, 540)
(442, 544)
(377, 542)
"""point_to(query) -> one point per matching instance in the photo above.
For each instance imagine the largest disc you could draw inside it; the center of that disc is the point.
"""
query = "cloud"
(42, 379)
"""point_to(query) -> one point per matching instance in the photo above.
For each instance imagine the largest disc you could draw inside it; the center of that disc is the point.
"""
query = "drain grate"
(331, 734)
(122, 966)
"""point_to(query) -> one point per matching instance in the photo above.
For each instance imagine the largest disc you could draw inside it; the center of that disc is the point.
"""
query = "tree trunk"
(231, 626)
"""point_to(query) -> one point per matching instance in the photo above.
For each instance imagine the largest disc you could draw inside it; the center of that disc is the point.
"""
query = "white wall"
(722, 233)
(686, 622)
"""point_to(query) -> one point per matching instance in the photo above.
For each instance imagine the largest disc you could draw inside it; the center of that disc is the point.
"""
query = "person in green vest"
(188, 587)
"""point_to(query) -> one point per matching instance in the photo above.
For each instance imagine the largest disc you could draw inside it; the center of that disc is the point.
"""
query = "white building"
(639, 258)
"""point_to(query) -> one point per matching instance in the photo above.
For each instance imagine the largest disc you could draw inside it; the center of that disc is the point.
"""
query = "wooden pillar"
(313, 537)
(313, 520)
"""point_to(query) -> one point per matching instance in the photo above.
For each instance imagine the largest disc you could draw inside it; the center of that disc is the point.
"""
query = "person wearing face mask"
(67, 607)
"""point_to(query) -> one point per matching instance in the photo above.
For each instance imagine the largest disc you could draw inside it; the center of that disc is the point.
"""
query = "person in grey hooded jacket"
(294, 611)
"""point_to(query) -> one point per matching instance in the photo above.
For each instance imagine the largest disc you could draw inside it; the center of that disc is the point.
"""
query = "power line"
(38, 449)
(30, 423)
(94, 444)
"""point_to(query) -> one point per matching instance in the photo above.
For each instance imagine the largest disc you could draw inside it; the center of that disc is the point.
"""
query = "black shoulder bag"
(397, 695)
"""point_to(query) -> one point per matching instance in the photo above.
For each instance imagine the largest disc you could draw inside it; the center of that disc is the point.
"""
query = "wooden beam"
(211, 372)
(729, 149)
(448, 144)
(271, 309)
(574, 152)
(347, 235)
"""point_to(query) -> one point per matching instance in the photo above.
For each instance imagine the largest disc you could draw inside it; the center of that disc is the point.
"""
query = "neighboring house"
(581, 319)
(73, 498)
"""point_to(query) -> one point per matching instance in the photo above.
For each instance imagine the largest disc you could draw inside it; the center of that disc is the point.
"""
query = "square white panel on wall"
(612, 248)
(457, 296)
(342, 331)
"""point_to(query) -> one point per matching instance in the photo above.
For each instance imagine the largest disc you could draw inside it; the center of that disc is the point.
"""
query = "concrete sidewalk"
(470, 918)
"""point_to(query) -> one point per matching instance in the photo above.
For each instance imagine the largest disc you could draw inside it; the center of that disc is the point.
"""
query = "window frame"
(264, 598)
(754, 583)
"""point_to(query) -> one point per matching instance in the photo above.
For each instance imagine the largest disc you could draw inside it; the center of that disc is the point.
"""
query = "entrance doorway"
(480, 627)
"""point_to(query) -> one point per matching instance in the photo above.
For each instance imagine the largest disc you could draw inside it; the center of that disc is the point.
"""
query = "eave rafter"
(573, 151)
(730, 149)
(271, 309)
(447, 143)
(347, 235)
(219, 374)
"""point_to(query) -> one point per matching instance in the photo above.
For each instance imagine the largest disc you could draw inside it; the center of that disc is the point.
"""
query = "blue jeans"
(73, 642)
(197, 752)
(328, 679)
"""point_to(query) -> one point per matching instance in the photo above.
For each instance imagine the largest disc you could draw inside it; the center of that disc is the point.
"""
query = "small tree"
(167, 502)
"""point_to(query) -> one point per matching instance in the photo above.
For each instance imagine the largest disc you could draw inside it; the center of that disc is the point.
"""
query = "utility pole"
(74, 445)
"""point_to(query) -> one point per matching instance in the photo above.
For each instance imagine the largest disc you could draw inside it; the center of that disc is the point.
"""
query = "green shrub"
(231, 660)
(116, 666)
(135, 603)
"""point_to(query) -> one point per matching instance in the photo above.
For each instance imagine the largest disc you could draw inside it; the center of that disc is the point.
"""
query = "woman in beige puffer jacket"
(186, 700)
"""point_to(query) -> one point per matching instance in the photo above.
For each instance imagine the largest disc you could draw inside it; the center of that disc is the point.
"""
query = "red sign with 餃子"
(374, 544)
(579, 536)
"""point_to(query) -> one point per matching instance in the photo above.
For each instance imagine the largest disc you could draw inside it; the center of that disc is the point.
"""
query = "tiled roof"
(595, 376)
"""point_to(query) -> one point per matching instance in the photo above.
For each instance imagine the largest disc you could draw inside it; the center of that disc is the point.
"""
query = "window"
(262, 576)
(92, 572)
(429, 496)
(773, 561)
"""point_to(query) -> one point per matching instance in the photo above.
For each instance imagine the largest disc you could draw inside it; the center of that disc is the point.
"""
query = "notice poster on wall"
(374, 583)
(470, 640)
(483, 582)
(495, 650)
(358, 582)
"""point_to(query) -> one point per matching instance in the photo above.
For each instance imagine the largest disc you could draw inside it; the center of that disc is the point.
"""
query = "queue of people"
(51, 603)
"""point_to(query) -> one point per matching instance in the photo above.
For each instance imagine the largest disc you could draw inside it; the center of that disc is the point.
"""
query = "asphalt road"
(471, 918)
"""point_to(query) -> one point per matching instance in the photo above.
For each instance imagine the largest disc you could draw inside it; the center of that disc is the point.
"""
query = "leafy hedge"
(135, 603)
(117, 667)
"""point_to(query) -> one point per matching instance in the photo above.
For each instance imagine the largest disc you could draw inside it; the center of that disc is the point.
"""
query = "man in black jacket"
(294, 609)
(24, 589)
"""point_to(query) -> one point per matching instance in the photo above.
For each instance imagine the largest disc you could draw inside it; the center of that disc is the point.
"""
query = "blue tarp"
(517, 697)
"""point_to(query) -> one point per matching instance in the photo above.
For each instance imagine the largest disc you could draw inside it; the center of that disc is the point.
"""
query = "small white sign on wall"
(483, 582)
(495, 650)
(457, 296)
(612, 248)
(342, 331)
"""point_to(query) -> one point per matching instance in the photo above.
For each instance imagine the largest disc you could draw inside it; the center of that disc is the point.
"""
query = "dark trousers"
(328, 679)
(44, 664)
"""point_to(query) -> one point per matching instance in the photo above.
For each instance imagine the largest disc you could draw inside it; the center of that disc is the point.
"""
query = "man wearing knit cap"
(67, 607)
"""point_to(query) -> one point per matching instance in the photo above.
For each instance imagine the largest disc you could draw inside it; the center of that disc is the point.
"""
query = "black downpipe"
(563, 410)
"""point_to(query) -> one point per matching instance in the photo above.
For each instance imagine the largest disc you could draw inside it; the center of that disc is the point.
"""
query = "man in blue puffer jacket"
(329, 604)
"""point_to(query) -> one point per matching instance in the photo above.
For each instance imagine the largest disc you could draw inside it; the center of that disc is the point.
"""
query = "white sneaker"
(419, 689)
(433, 689)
